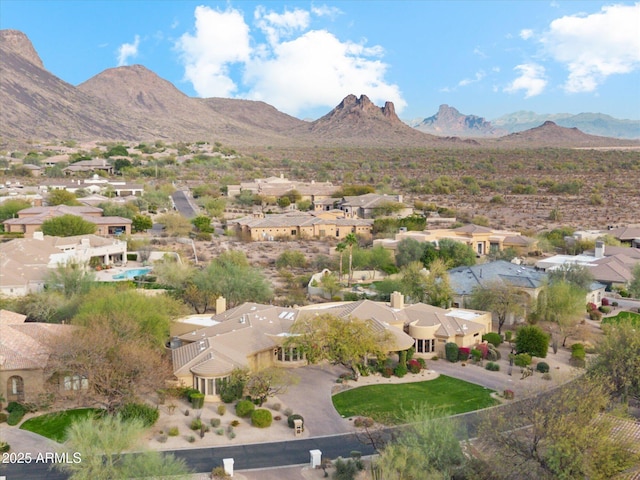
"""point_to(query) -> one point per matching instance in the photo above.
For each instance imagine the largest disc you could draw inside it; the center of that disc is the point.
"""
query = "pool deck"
(107, 275)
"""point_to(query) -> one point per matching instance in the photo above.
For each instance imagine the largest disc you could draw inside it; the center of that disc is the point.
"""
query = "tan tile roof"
(27, 346)
(8, 317)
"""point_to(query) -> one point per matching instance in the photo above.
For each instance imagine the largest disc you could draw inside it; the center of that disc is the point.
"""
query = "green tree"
(533, 340)
(428, 448)
(574, 274)
(455, 254)
(562, 303)
(117, 151)
(438, 289)
(71, 278)
(202, 223)
(341, 247)
(380, 259)
(62, 197)
(330, 285)
(101, 443)
(291, 259)
(245, 198)
(351, 241)
(340, 340)
(501, 299)
(10, 208)
(562, 434)
(141, 223)
(634, 284)
(110, 209)
(619, 358)
(409, 250)
(67, 226)
(413, 281)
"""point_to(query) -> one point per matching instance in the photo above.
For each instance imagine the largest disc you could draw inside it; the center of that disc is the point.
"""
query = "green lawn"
(54, 425)
(386, 403)
(634, 317)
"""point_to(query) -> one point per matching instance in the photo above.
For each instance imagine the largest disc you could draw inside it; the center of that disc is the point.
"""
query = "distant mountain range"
(133, 103)
(449, 121)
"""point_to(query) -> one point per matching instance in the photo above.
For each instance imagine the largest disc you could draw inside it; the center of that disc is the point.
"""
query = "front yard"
(54, 425)
(389, 403)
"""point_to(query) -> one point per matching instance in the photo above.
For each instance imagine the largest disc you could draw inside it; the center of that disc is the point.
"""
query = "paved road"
(259, 455)
(183, 204)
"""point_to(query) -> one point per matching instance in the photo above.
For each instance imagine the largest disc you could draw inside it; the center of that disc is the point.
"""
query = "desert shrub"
(3, 417)
(292, 417)
(287, 412)
(191, 439)
(400, 370)
(533, 340)
(186, 392)
(197, 400)
(542, 367)
(595, 315)
(15, 416)
(162, 438)
(522, 360)
(435, 358)
(222, 409)
(231, 435)
(276, 407)
(361, 422)
(493, 338)
(387, 372)
(219, 473)
(414, 366)
(604, 309)
(578, 355)
(261, 418)
(244, 408)
(147, 414)
(4, 447)
(492, 367)
(173, 432)
(614, 304)
(215, 422)
(451, 351)
(546, 376)
(220, 431)
(233, 423)
(464, 353)
(347, 469)
(196, 424)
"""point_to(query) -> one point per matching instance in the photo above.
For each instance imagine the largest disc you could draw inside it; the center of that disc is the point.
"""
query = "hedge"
(493, 338)
(15, 416)
(293, 417)
(542, 367)
(451, 351)
(261, 418)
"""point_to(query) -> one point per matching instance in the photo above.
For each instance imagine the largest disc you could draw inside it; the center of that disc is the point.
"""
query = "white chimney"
(599, 253)
(397, 300)
(221, 305)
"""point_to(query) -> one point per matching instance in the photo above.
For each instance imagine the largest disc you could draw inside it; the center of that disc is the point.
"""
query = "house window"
(288, 354)
(425, 345)
(293, 232)
(337, 232)
(75, 382)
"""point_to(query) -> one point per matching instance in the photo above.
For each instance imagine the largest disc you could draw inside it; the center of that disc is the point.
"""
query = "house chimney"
(221, 305)
(397, 300)
(599, 253)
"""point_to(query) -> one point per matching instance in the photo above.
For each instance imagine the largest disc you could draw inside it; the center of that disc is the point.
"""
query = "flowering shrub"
(508, 394)
(605, 302)
(414, 366)
(591, 307)
(463, 353)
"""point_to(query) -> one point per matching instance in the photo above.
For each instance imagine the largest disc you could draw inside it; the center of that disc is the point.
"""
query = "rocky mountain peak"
(19, 43)
(449, 121)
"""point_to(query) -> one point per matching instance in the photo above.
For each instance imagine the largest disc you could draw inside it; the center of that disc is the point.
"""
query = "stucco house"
(482, 240)
(371, 205)
(25, 349)
(25, 262)
(279, 186)
(30, 220)
(206, 349)
(295, 225)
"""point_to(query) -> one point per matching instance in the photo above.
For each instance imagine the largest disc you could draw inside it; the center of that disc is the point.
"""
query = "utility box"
(297, 427)
(228, 466)
(316, 458)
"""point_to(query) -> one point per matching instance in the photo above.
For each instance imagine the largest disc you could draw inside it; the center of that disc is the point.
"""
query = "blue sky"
(487, 58)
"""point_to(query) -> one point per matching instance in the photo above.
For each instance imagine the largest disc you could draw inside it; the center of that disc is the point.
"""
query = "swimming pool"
(129, 274)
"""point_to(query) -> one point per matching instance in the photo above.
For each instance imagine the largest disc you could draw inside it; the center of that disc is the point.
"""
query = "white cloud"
(128, 50)
(325, 11)
(526, 33)
(294, 70)
(592, 47)
(220, 39)
(468, 81)
(531, 80)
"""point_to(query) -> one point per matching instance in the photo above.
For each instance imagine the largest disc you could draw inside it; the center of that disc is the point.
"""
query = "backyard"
(388, 403)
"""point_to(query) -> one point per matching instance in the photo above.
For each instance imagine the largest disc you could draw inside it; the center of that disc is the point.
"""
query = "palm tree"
(350, 240)
(340, 248)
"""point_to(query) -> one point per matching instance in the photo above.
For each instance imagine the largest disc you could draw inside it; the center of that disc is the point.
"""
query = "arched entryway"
(15, 389)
